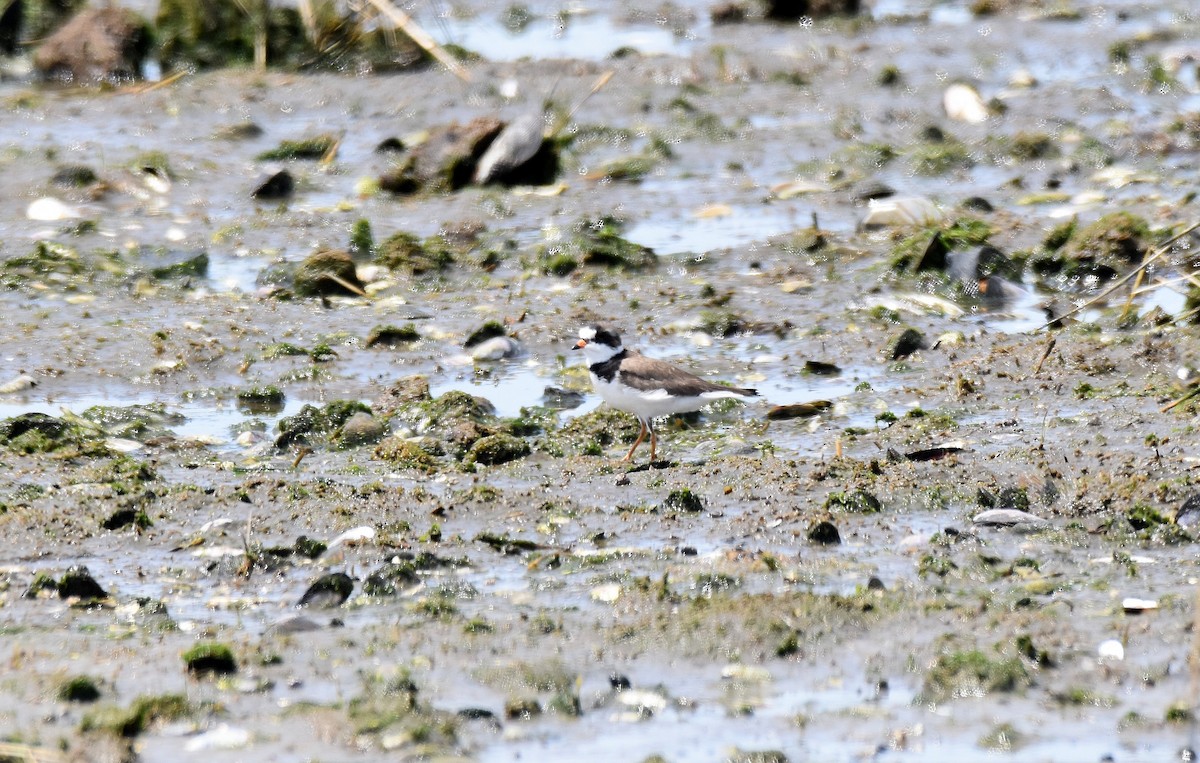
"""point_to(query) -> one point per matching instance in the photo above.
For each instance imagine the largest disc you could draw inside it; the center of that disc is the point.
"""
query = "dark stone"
(1188, 514)
(683, 499)
(727, 13)
(79, 583)
(96, 45)
(906, 343)
(326, 273)
(277, 186)
(793, 10)
(328, 591)
(446, 161)
(10, 27)
(824, 533)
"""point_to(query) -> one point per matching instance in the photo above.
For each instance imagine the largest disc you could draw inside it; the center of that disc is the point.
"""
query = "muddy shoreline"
(563, 605)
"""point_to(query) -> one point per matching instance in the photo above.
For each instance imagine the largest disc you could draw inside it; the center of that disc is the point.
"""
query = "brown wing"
(648, 374)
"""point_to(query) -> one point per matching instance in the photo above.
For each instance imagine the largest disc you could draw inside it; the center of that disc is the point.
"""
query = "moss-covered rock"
(393, 336)
(591, 433)
(406, 454)
(971, 674)
(1107, 247)
(269, 399)
(97, 45)
(78, 689)
(496, 449)
(360, 429)
(210, 658)
(37, 433)
(328, 272)
(137, 718)
(405, 252)
(311, 425)
(314, 147)
(446, 161)
(596, 242)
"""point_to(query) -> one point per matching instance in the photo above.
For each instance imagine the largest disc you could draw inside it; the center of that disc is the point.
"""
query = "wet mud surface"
(563, 605)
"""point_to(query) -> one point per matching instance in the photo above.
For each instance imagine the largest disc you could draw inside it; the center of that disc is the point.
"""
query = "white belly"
(650, 404)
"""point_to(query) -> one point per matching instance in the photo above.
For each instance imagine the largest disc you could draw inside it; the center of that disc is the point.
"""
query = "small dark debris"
(1188, 514)
(906, 343)
(78, 583)
(821, 368)
(932, 454)
(561, 399)
(279, 185)
(391, 146)
(824, 533)
(798, 410)
(328, 591)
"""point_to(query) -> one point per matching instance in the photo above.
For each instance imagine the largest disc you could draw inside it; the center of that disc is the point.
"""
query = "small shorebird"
(645, 387)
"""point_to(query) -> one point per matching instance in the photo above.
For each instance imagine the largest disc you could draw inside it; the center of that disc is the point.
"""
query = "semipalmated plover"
(645, 387)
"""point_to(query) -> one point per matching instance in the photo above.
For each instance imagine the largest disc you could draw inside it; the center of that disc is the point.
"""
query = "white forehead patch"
(588, 333)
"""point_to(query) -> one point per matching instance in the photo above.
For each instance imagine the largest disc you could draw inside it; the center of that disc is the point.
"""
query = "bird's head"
(598, 343)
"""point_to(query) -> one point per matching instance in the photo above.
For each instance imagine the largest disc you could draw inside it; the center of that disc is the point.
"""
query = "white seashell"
(353, 536)
(1132, 605)
(964, 104)
(223, 737)
(496, 348)
(122, 445)
(48, 209)
(1006, 518)
(1111, 650)
(19, 384)
(901, 210)
(645, 701)
(607, 593)
(294, 623)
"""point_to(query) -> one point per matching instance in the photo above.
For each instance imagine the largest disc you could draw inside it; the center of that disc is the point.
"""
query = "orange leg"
(653, 445)
(641, 436)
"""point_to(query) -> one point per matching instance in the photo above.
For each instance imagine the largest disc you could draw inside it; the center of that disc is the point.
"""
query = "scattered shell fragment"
(1134, 606)
(1111, 650)
(795, 285)
(223, 737)
(19, 384)
(784, 191)
(962, 103)
(353, 536)
(713, 210)
(1006, 518)
(49, 209)
(901, 210)
(496, 348)
(122, 445)
(607, 593)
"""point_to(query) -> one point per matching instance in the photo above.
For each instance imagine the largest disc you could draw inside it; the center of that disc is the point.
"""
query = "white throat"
(598, 353)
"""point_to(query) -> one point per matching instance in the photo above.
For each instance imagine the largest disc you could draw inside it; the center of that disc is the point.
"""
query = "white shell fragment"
(607, 593)
(1111, 650)
(515, 145)
(353, 536)
(1007, 518)
(496, 348)
(1134, 606)
(901, 210)
(49, 209)
(223, 737)
(19, 384)
(962, 103)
